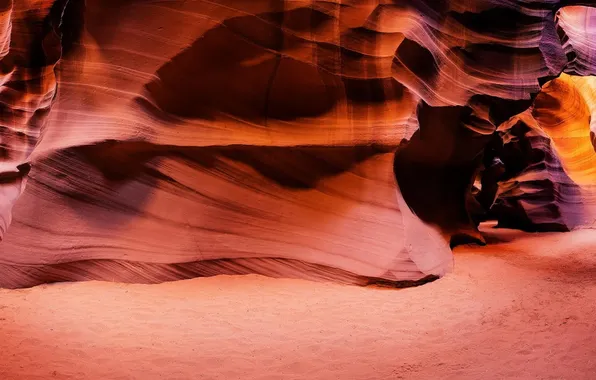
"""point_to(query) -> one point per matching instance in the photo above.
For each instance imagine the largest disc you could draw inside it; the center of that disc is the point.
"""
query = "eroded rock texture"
(312, 139)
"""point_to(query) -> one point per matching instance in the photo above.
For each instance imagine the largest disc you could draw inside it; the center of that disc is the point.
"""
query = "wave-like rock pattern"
(578, 26)
(535, 193)
(336, 208)
(325, 140)
(547, 157)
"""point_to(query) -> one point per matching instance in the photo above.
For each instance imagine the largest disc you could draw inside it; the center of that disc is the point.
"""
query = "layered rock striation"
(325, 140)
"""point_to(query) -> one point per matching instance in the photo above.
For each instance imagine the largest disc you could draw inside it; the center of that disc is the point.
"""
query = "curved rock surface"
(322, 140)
(547, 157)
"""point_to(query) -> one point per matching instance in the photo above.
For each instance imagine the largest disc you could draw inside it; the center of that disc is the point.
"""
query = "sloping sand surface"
(522, 309)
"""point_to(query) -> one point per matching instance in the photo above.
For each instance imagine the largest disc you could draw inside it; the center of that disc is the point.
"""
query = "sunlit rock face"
(323, 140)
(548, 159)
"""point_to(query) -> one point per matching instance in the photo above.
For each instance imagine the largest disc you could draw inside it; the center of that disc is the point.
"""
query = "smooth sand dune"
(521, 308)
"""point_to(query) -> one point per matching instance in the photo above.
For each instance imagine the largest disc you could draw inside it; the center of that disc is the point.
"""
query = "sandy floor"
(510, 311)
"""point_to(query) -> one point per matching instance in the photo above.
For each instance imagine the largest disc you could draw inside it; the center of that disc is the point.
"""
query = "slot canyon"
(307, 189)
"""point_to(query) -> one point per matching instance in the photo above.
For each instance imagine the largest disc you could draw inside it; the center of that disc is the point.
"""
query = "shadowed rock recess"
(349, 141)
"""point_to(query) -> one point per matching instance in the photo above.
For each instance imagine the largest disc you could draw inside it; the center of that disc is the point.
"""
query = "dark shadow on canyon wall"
(122, 175)
(236, 69)
(240, 69)
(300, 167)
(435, 170)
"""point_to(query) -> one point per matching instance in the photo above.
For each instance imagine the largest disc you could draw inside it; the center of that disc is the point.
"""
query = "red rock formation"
(324, 140)
(550, 160)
